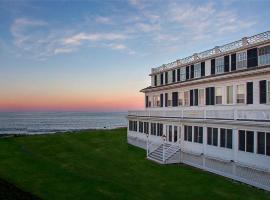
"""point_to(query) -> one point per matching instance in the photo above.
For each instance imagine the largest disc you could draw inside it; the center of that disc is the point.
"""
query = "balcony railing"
(253, 40)
(208, 113)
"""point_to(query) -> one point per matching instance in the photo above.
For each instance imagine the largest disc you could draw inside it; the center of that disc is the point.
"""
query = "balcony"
(208, 112)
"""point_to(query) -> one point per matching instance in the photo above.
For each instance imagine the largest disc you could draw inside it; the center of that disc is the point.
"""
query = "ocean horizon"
(46, 122)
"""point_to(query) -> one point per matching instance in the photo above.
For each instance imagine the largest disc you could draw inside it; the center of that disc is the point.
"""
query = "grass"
(101, 165)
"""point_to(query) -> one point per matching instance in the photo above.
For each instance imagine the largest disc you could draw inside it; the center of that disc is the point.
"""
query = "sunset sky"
(96, 55)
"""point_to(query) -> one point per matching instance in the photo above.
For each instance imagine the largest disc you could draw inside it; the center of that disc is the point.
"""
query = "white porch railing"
(171, 150)
(232, 113)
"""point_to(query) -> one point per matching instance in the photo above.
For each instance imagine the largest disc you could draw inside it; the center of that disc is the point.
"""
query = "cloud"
(63, 50)
(104, 20)
(117, 46)
(77, 39)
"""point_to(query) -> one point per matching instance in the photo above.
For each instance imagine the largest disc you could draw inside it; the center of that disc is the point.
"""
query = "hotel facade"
(211, 110)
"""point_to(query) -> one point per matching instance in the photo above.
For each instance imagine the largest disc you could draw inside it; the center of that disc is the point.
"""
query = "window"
(264, 55)
(182, 73)
(198, 134)
(229, 92)
(132, 126)
(175, 134)
(156, 101)
(153, 129)
(188, 133)
(181, 99)
(240, 93)
(268, 92)
(212, 136)
(146, 127)
(186, 98)
(241, 60)
(141, 127)
(246, 141)
(169, 132)
(219, 63)
(226, 138)
(159, 129)
(201, 97)
(197, 70)
(218, 95)
(263, 146)
(155, 80)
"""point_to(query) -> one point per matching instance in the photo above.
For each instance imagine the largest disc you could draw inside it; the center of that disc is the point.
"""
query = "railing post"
(147, 146)
(163, 152)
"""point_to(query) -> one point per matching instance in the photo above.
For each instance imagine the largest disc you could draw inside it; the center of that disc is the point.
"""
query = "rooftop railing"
(253, 40)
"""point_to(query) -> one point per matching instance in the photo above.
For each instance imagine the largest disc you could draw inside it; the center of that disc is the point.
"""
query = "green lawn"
(101, 165)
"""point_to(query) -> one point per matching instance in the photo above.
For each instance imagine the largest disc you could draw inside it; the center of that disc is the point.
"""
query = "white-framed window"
(182, 74)
(197, 70)
(263, 143)
(219, 62)
(229, 94)
(226, 138)
(156, 101)
(246, 141)
(240, 93)
(241, 60)
(201, 97)
(264, 55)
(268, 91)
(218, 93)
(181, 98)
(186, 98)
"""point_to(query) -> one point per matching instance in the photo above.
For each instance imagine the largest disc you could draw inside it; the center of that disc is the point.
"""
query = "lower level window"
(188, 133)
(246, 141)
(141, 127)
(263, 146)
(159, 129)
(132, 126)
(175, 134)
(226, 138)
(153, 129)
(198, 134)
(146, 127)
(212, 136)
(218, 95)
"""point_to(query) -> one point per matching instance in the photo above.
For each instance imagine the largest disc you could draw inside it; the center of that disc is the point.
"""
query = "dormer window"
(219, 65)
(241, 60)
(182, 74)
(197, 70)
(264, 55)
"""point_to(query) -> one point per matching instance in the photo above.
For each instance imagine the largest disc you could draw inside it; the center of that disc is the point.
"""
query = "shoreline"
(10, 135)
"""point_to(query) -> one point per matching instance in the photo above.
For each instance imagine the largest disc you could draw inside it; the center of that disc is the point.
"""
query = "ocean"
(51, 122)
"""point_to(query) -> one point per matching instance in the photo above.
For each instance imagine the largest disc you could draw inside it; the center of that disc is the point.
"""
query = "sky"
(96, 55)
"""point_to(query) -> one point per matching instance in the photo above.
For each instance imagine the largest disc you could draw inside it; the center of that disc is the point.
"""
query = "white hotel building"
(212, 111)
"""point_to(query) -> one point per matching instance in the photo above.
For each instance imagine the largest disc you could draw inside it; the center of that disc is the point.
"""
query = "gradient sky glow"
(96, 55)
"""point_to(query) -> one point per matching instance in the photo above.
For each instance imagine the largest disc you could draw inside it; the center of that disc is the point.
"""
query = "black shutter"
(207, 96)
(155, 80)
(166, 99)
(213, 67)
(192, 71)
(175, 99)
(196, 97)
(233, 62)
(202, 68)
(263, 91)
(161, 79)
(178, 74)
(191, 97)
(146, 101)
(226, 63)
(166, 77)
(212, 93)
(187, 72)
(173, 76)
(161, 100)
(252, 58)
(249, 92)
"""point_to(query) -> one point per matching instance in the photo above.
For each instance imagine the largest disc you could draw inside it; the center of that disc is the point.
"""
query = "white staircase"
(164, 153)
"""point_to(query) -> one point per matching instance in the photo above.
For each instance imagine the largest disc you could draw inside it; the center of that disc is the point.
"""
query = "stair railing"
(167, 153)
(152, 146)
